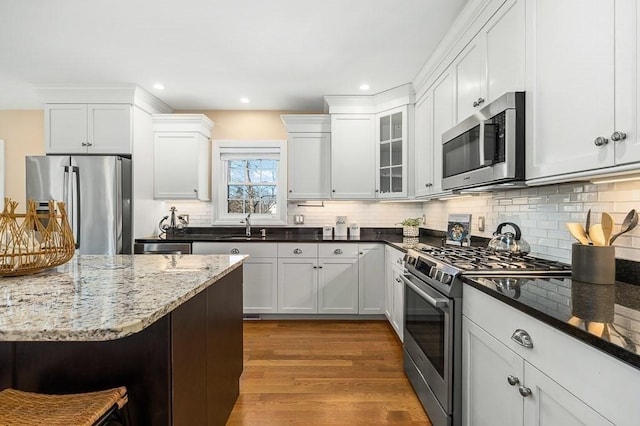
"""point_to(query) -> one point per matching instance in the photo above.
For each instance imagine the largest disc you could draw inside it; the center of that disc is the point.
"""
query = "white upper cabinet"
(371, 142)
(353, 156)
(391, 153)
(443, 120)
(493, 63)
(504, 41)
(470, 71)
(434, 114)
(581, 87)
(309, 150)
(424, 145)
(181, 156)
(88, 129)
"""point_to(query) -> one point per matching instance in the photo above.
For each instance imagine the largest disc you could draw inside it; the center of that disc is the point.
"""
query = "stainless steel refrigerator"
(97, 192)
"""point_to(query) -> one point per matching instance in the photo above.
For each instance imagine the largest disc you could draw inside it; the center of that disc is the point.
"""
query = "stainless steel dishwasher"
(162, 247)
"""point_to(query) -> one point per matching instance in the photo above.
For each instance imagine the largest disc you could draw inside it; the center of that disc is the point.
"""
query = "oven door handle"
(435, 301)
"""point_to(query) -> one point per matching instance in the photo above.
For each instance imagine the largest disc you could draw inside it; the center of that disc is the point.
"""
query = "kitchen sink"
(239, 238)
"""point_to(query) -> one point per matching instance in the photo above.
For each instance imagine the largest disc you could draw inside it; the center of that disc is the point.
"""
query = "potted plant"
(410, 227)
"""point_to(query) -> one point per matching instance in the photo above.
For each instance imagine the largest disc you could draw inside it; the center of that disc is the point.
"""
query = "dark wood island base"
(184, 369)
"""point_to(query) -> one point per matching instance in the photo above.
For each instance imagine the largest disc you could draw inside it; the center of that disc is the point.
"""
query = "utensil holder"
(593, 264)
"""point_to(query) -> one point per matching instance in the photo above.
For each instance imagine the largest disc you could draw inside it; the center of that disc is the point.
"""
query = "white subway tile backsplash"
(543, 211)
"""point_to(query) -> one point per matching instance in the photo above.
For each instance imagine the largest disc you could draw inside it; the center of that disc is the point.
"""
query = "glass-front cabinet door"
(392, 154)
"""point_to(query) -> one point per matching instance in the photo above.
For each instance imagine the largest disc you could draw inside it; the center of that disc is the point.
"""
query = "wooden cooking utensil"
(577, 231)
(607, 226)
(597, 235)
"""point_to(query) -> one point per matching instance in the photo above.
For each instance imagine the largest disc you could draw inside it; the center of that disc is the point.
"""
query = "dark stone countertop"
(390, 236)
(604, 316)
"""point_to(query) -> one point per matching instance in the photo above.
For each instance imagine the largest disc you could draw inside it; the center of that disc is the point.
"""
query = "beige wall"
(246, 124)
(23, 134)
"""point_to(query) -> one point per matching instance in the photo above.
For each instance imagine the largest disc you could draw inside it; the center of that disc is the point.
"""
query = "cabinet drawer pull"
(618, 136)
(297, 251)
(522, 338)
(513, 380)
(337, 251)
(235, 251)
(524, 391)
(85, 144)
(601, 141)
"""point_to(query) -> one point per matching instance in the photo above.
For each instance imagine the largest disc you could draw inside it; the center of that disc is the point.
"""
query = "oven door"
(428, 337)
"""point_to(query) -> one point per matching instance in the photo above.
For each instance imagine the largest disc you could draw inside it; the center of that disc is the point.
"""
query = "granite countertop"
(93, 298)
(604, 316)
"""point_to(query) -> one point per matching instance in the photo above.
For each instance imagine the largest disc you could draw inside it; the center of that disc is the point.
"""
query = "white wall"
(541, 213)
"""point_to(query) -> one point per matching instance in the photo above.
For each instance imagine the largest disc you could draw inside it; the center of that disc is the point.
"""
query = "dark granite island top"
(169, 328)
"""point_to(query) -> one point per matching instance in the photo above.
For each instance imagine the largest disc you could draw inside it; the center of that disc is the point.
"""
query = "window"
(250, 178)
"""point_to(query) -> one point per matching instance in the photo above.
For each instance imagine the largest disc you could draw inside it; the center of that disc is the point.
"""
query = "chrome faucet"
(247, 223)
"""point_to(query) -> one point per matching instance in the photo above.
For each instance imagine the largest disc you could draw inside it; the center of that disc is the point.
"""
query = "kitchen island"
(169, 328)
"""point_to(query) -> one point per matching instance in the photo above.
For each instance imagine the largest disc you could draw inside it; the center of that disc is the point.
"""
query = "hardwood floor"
(324, 373)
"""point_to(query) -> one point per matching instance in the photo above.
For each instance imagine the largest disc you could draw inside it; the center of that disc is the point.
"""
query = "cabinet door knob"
(399, 261)
(475, 104)
(618, 136)
(337, 251)
(522, 338)
(513, 380)
(601, 141)
(315, 267)
(333, 190)
(85, 144)
(480, 101)
(297, 251)
(320, 267)
(361, 252)
(398, 280)
(235, 251)
(524, 391)
(291, 190)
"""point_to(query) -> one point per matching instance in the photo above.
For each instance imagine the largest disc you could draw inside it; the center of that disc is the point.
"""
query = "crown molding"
(370, 104)
(307, 123)
(182, 123)
(101, 93)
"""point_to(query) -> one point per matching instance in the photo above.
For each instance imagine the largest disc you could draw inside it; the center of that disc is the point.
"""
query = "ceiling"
(281, 54)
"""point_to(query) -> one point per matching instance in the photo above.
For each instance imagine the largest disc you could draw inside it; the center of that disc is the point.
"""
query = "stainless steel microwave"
(488, 147)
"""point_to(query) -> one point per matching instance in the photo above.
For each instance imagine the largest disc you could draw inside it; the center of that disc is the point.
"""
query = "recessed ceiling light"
(365, 86)
(244, 100)
(158, 86)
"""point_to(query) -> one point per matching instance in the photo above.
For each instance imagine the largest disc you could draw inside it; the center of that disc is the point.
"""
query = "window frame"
(219, 181)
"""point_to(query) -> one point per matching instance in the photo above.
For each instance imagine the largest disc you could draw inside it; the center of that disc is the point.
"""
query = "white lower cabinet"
(338, 286)
(558, 381)
(394, 290)
(298, 285)
(260, 275)
(318, 278)
(371, 278)
(486, 365)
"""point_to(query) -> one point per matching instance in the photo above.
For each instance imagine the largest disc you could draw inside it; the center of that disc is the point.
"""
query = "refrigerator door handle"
(75, 198)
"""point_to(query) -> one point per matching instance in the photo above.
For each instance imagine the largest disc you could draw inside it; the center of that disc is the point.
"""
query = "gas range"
(442, 265)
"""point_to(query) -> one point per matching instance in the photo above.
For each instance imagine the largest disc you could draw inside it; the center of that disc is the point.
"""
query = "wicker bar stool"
(18, 408)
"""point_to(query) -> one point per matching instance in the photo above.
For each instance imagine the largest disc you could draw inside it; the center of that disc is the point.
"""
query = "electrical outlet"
(481, 223)
(298, 219)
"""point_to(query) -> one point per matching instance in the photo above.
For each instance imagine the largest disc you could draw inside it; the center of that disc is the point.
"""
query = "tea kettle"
(508, 243)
